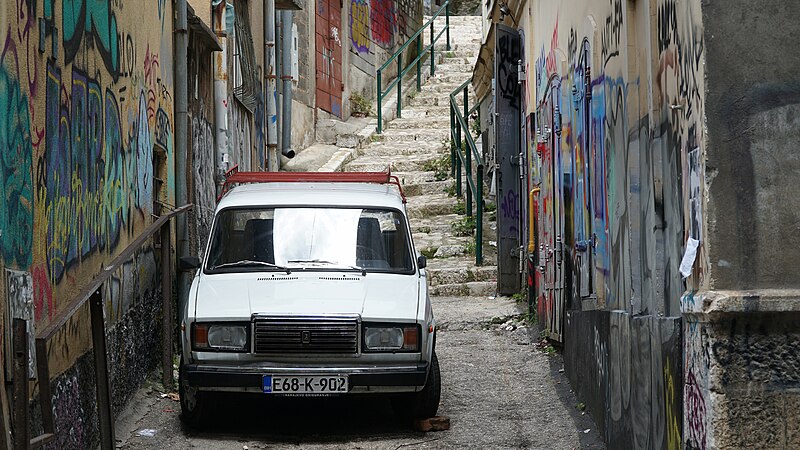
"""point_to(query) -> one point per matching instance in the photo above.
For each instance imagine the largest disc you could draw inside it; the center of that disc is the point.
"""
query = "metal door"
(551, 258)
(507, 139)
(329, 56)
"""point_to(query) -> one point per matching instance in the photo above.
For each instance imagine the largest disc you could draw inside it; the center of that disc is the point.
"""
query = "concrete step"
(400, 163)
(426, 188)
(460, 275)
(421, 123)
(420, 148)
(437, 135)
(469, 289)
(430, 205)
(429, 243)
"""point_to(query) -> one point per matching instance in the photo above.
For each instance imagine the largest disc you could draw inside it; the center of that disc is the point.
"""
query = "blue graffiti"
(16, 193)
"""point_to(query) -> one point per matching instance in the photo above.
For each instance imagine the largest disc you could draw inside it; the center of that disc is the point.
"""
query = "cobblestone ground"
(501, 388)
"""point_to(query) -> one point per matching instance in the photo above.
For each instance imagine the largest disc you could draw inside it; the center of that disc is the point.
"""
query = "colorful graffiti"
(359, 25)
(93, 175)
(623, 189)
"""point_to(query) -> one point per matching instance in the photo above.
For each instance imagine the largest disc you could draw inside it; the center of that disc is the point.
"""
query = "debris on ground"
(438, 423)
(146, 432)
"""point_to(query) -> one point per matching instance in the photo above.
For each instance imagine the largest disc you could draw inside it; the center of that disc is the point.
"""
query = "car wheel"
(425, 403)
(192, 402)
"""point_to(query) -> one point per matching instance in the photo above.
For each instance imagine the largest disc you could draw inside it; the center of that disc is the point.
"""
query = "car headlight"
(381, 338)
(220, 337)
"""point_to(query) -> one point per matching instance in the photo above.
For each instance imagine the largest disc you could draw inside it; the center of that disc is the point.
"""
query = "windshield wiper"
(250, 262)
(333, 263)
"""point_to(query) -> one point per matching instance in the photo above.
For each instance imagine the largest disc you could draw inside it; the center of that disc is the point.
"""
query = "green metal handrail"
(398, 56)
(462, 154)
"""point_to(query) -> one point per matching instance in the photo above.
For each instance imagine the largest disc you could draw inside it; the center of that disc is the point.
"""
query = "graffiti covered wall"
(376, 29)
(86, 150)
(618, 154)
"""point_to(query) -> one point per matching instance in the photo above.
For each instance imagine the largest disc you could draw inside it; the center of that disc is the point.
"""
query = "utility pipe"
(286, 78)
(269, 73)
(181, 42)
(220, 97)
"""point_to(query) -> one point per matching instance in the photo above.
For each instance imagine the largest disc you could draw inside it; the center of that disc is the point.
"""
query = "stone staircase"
(413, 145)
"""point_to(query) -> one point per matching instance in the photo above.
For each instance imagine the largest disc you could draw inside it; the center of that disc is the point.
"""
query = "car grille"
(294, 336)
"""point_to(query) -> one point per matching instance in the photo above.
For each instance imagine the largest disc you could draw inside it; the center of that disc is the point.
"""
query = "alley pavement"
(501, 386)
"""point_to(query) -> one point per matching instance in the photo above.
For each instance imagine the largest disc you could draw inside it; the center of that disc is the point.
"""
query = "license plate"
(311, 384)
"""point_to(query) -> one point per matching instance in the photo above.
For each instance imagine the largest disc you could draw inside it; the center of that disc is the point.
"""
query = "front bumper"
(406, 378)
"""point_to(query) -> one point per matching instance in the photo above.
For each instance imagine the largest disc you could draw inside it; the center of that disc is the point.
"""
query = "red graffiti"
(696, 412)
(151, 65)
(383, 19)
(42, 293)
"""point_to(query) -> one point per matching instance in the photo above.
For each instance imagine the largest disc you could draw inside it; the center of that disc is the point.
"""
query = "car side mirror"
(188, 263)
(422, 261)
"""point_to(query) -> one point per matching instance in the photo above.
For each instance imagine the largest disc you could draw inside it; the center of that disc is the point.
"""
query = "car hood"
(374, 296)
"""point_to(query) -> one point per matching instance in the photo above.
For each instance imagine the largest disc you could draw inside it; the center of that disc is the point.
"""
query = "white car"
(310, 287)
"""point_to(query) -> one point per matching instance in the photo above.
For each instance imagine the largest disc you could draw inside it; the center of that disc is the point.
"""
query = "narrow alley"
(501, 387)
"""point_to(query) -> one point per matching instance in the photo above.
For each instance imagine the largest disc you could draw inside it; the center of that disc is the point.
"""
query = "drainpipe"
(220, 97)
(269, 72)
(286, 77)
(181, 42)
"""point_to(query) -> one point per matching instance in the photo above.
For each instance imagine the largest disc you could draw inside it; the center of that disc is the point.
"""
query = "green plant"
(360, 106)
(518, 297)
(469, 247)
(425, 230)
(428, 252)
(450, 190)
(489, 206)
(375, 138)
(464, 226)
(449, 54)
(549, 349)
(460, 208)
(580, 406)
(475, 125)
(440, 167)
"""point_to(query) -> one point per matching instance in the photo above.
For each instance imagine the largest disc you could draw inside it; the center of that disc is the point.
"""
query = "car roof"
(313, 194)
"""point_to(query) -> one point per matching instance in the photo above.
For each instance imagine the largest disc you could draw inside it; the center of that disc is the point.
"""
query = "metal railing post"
(479, 218)
(166, 295)
(458, 160)
(419, 63)
(466, 108)
(399, 85)
(452, 143)
(447, 23)
(433, 53)
(380, 104)
(20, 384)
(102, 385)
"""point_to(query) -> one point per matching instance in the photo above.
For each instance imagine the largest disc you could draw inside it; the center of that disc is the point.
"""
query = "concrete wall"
(87, 123)
(742, 326)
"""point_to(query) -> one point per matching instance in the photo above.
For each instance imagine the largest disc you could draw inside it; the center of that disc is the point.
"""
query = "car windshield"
(294, 238)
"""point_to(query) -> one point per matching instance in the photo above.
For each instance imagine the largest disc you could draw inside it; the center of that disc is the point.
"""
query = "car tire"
(425, 403)
(193, 402)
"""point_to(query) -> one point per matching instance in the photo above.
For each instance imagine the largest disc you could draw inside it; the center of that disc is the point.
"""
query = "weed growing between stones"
(464, 226)
(439, 166)
(360, 105)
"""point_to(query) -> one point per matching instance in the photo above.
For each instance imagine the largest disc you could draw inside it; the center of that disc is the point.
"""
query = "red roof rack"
(233, 176)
